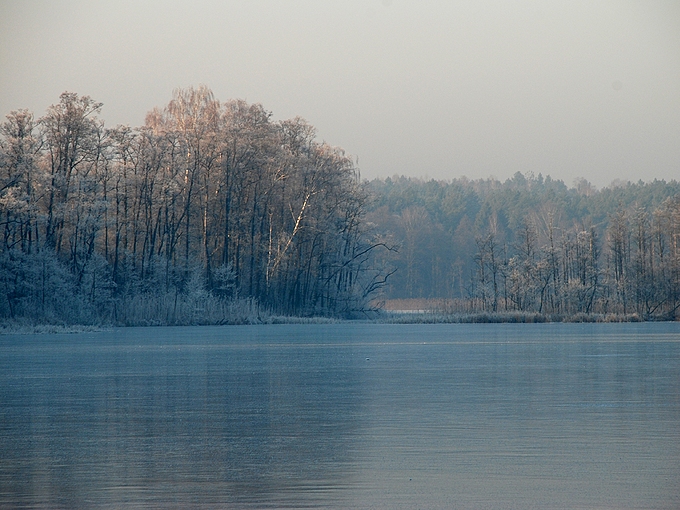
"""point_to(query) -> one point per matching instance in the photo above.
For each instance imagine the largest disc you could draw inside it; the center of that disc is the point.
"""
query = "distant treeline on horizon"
(533, 244)
(214, 213)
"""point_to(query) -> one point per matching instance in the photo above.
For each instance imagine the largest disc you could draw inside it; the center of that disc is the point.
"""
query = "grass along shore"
(375, 317)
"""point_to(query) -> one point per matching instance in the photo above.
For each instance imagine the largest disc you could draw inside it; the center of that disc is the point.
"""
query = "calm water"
(343, 416)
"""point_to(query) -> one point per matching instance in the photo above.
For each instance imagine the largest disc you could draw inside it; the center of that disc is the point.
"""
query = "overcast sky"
(434, 89)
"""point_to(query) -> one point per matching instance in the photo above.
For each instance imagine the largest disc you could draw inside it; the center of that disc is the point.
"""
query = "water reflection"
(343, 416)
(173, 421)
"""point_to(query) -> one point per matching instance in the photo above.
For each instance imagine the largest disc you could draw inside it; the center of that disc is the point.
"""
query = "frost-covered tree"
(207, 202)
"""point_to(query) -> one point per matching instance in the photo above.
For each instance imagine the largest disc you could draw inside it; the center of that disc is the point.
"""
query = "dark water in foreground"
(545, 416)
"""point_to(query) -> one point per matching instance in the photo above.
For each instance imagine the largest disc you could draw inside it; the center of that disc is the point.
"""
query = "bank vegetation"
(214, 213)
(209, 213)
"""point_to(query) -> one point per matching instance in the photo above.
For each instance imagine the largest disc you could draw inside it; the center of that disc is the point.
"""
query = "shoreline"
(383, 317)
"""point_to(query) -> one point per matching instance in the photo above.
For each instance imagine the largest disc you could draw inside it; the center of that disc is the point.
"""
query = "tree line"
(213, 212)
(207, 205)
(532, 244)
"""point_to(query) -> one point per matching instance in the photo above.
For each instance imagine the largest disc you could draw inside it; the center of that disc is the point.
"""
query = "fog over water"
(443, 89)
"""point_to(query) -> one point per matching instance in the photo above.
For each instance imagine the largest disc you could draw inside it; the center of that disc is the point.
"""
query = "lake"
(479, 416)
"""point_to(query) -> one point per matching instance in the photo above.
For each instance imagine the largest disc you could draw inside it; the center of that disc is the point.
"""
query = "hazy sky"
(440, 89)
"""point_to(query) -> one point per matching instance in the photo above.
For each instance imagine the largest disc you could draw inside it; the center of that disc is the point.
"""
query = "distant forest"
(531, 244)
(214, 213)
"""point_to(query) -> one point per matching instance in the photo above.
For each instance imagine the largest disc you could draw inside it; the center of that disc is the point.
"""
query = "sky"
(432, 89)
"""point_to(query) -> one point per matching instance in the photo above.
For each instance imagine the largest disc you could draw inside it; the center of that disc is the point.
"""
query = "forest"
(212, 212)
(532, 244)
(209, 213)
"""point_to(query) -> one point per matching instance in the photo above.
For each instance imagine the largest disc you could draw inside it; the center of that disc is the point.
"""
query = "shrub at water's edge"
(423, 317)
(247, 315)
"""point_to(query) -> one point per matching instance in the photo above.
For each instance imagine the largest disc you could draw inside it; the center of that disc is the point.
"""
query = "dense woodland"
(210, 212)
(531, 244)
(213, 212)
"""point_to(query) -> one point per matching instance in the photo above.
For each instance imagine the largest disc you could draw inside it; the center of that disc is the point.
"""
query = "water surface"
(503, 416)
